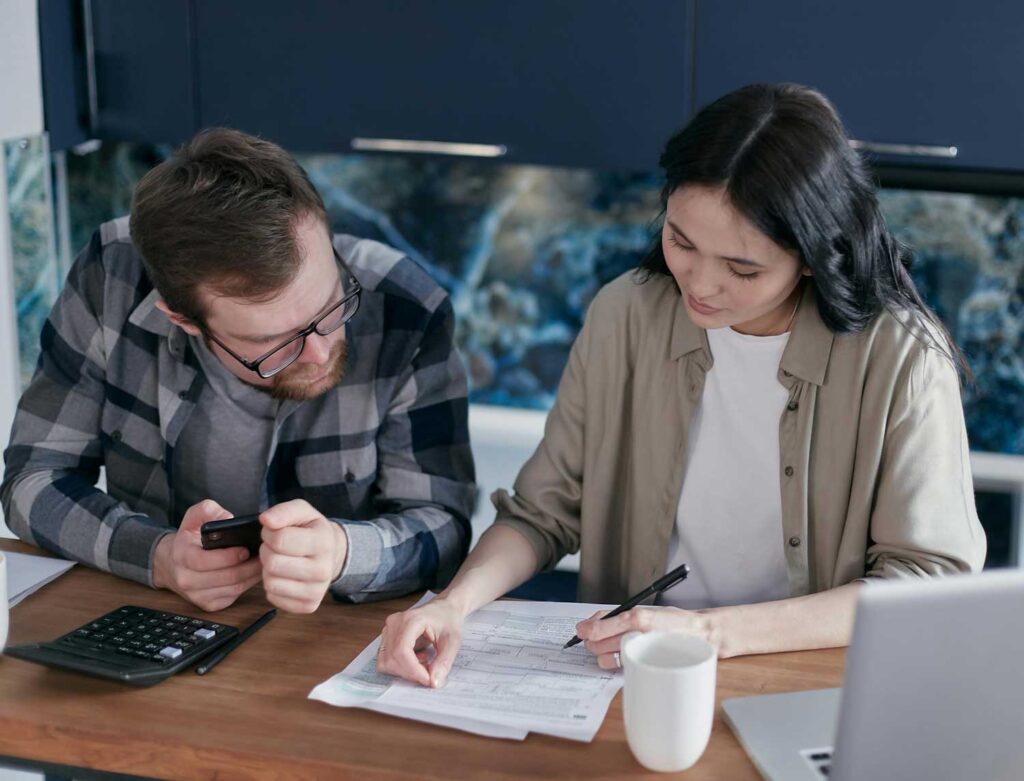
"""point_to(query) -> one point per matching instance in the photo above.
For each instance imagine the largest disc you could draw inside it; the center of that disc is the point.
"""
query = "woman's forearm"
(501, 560)
(822, 620)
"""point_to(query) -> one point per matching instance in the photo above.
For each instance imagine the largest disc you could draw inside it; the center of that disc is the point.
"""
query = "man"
(221, 355)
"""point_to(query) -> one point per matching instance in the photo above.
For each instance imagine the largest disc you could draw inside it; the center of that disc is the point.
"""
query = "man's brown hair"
(222, 212)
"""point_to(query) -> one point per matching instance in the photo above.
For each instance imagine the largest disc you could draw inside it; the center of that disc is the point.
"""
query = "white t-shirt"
(729, 520)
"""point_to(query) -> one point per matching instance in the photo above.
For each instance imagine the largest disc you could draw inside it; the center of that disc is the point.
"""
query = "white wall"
(21, 115)
(9, 382)
(503, 438)
(21, 85)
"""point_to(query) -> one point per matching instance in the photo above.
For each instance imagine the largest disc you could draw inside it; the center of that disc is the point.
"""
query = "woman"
(767, 399)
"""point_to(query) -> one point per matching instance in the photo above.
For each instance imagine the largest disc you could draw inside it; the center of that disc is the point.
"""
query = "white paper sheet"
(511, 677)
(26, 574)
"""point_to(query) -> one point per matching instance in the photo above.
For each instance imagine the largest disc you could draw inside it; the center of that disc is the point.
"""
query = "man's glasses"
(284, 355)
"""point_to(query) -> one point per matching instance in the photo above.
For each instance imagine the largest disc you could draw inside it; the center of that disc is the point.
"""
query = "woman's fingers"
(397, 654)
(607, 646)
(639, 619)
(447, 648)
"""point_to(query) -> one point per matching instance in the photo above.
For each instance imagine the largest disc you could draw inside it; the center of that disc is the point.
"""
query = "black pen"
(213, 661)
(678, 575)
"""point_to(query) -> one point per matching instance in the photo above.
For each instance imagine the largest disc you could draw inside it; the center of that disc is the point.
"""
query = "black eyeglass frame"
(254, 366)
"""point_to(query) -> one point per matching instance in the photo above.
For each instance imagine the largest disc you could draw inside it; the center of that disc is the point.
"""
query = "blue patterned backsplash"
(37, 273)
(523, 250)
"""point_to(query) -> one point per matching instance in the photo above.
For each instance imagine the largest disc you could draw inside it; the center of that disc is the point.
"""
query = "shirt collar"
(806, 355)
(810, 342)
(147, 317)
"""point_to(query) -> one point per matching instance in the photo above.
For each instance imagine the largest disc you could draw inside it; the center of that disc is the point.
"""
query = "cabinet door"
(945, 73)
(575, 82)
(143, 70)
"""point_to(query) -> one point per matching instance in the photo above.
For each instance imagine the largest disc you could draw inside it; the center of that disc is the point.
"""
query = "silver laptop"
(934, 689)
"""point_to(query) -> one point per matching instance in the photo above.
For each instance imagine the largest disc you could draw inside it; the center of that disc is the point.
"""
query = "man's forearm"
(391, 555)
(65, 513)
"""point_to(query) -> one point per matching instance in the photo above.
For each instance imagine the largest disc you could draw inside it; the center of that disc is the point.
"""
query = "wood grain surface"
(250, 719)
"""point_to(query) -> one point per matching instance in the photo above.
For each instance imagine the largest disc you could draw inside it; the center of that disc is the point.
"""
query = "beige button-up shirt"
(874, 467)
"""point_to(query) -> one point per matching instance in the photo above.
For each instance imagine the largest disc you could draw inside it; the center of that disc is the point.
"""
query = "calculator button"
(170, 652)
(204, 634)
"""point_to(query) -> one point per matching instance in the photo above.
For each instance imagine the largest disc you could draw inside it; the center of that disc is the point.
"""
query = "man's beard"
(292, 383)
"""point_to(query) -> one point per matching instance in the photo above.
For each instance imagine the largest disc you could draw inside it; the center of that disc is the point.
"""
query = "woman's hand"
(420, 644)
(604, 638)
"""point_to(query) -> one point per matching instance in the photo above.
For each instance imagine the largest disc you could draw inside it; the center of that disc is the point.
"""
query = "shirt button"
(183, 395)
(116, 436)
(349, 477)
(794, 542)
(792, 406)
(789, 471)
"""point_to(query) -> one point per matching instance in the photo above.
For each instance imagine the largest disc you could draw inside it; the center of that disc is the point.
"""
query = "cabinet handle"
(92, 91)
(428, 147)
(911, 150)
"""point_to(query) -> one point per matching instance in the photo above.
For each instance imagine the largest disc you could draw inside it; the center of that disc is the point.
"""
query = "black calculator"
(133, 645)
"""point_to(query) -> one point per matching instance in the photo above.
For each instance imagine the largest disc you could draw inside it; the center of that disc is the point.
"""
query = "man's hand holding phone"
(302, 554)
(209, 579)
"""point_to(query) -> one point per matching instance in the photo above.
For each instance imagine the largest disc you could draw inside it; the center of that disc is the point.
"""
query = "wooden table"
(250, 718)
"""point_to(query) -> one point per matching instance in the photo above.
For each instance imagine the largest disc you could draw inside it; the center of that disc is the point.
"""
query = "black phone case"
(241, 532)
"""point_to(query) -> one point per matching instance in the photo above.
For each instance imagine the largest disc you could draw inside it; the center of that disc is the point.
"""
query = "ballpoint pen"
(208, 664)
(678, 575)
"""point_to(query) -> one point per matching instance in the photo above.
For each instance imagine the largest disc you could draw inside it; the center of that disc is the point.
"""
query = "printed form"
(511, 677)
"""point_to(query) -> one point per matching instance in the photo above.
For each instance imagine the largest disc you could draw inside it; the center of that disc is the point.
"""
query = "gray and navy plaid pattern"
(386, 453)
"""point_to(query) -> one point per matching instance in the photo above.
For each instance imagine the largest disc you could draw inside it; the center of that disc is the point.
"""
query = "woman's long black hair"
(784, 159)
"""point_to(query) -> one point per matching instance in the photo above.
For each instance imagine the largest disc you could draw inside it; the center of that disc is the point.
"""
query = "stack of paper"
(27, 574)
(511, 677)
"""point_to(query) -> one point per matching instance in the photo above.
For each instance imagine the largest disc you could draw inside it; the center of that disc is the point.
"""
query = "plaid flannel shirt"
(385, 454)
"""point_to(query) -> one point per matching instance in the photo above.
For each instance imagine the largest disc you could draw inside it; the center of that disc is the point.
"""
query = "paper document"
(27, 574)
(511, 677)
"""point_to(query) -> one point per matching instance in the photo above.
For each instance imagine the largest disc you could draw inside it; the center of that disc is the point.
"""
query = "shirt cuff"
(362, 560)
(132, 547)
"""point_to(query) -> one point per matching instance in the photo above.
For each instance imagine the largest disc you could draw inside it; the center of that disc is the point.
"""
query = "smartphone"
(241, 532)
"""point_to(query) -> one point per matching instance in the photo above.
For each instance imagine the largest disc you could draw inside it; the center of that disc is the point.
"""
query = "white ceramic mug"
(669, 697)
(4, 610)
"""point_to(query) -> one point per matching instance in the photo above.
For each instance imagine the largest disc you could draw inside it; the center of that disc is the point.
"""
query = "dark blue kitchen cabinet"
(940, 74)
(598, 83)
(62, 50)
(593, 83)
(144, 88)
